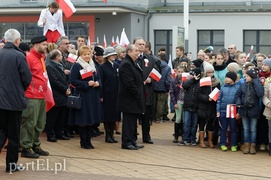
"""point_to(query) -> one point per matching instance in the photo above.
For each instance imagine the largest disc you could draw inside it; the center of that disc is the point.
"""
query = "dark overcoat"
(58, 83)
(131, 87)
(90, 113)
(147, 63)
(109, 91)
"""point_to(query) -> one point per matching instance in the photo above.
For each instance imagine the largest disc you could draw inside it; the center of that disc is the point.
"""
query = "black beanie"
(232, 76)
(195, 71)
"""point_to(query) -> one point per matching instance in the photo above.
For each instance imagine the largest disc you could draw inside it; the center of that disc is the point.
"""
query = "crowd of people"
(115, 84)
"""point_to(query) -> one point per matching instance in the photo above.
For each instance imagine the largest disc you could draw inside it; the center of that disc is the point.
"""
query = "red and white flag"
(88, 42)
(170, 65)
(117, 41)
(250, 52)
(205, 81)
(49, 98)
(113, 41)
(185, 76)
(67, 7)
(98, 42)
(123, 39)
(72, 58)
(155, 75)
(85, 73)
(214, 94)
(105, 1)
(231, 111)
(105, 44)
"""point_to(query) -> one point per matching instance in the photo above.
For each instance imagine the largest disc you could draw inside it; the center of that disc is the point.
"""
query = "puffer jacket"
(227, 96)
(252, 112)
(267, 98)
(191, 88)
(162, 86)
(175, 88)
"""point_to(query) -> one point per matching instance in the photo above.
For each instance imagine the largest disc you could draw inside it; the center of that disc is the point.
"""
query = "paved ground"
(161, 160)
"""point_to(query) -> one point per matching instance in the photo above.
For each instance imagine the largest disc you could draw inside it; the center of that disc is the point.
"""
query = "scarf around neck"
(85, 65)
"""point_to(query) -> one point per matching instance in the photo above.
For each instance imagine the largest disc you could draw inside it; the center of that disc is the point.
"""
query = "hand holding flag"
(214, 94)
(67, 7)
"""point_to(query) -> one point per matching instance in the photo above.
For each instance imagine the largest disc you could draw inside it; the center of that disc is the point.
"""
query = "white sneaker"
(262, 147)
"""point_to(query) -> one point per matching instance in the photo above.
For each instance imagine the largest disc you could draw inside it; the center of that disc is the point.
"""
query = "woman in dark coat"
(85, 79)
(108, 72)
(55, 119)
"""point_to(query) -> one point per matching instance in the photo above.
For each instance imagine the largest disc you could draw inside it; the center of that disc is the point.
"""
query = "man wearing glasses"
(232, 50)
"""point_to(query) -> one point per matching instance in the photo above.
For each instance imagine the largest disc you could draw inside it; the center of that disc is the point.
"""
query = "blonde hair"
(84, 49)
(51, 46)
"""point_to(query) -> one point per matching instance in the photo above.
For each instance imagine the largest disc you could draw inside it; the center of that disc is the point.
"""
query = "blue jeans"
(225, 122)
(250, 129)
(189, 126)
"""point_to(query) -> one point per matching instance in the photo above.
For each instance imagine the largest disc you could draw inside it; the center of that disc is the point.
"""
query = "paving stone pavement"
(161, 160)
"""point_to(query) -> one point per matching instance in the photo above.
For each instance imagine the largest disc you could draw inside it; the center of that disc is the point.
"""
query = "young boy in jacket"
(227, 97)
(190, 108)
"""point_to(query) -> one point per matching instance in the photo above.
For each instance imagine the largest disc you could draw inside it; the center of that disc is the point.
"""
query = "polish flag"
(123, 39)
(214, 94)
(67, 7)
(113, 41)
(185, 76)
(72, 58)
(205, 81)
(105, 44)
(88, 42)
(250, 52)
(155, 75)
(49, 98)
(231, 111)
(98, 42)
(85, 73)
(117, 41)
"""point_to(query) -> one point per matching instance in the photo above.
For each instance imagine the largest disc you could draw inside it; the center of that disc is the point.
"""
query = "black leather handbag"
(74, 102)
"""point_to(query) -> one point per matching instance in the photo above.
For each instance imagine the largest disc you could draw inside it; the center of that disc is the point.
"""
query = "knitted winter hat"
(253, 72)
(267, 62)
(233, 67)
(232, 76)
(207, 67)
(195, 71)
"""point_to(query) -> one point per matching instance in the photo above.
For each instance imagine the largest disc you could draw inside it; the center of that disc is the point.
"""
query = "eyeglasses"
(230, 48)
(67, 43)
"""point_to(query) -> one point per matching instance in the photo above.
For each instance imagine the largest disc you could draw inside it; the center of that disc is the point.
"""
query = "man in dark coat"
(131, 100)
(15, 78)
(55, 119)
(147, 63)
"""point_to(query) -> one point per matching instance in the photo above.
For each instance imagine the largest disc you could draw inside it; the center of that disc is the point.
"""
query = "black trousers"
(55, 121)
(129, 129)
(146, 118)
(10, 122)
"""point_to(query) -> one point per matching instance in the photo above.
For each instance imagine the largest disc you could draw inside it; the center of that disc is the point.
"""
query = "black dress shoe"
(67, 134)
(52, 139)
(14, 168)
(63, 137)
(165, 118)
(129, 147)
(148, 141)
(139, 146)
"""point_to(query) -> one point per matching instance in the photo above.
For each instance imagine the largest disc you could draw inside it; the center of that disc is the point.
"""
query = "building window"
(163, 38)
(213, 38)
(260, 39)
(30, 30)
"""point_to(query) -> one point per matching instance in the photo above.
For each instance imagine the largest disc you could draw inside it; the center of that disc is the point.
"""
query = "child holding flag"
(177, 97)
(207, 106)
(226, 110)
